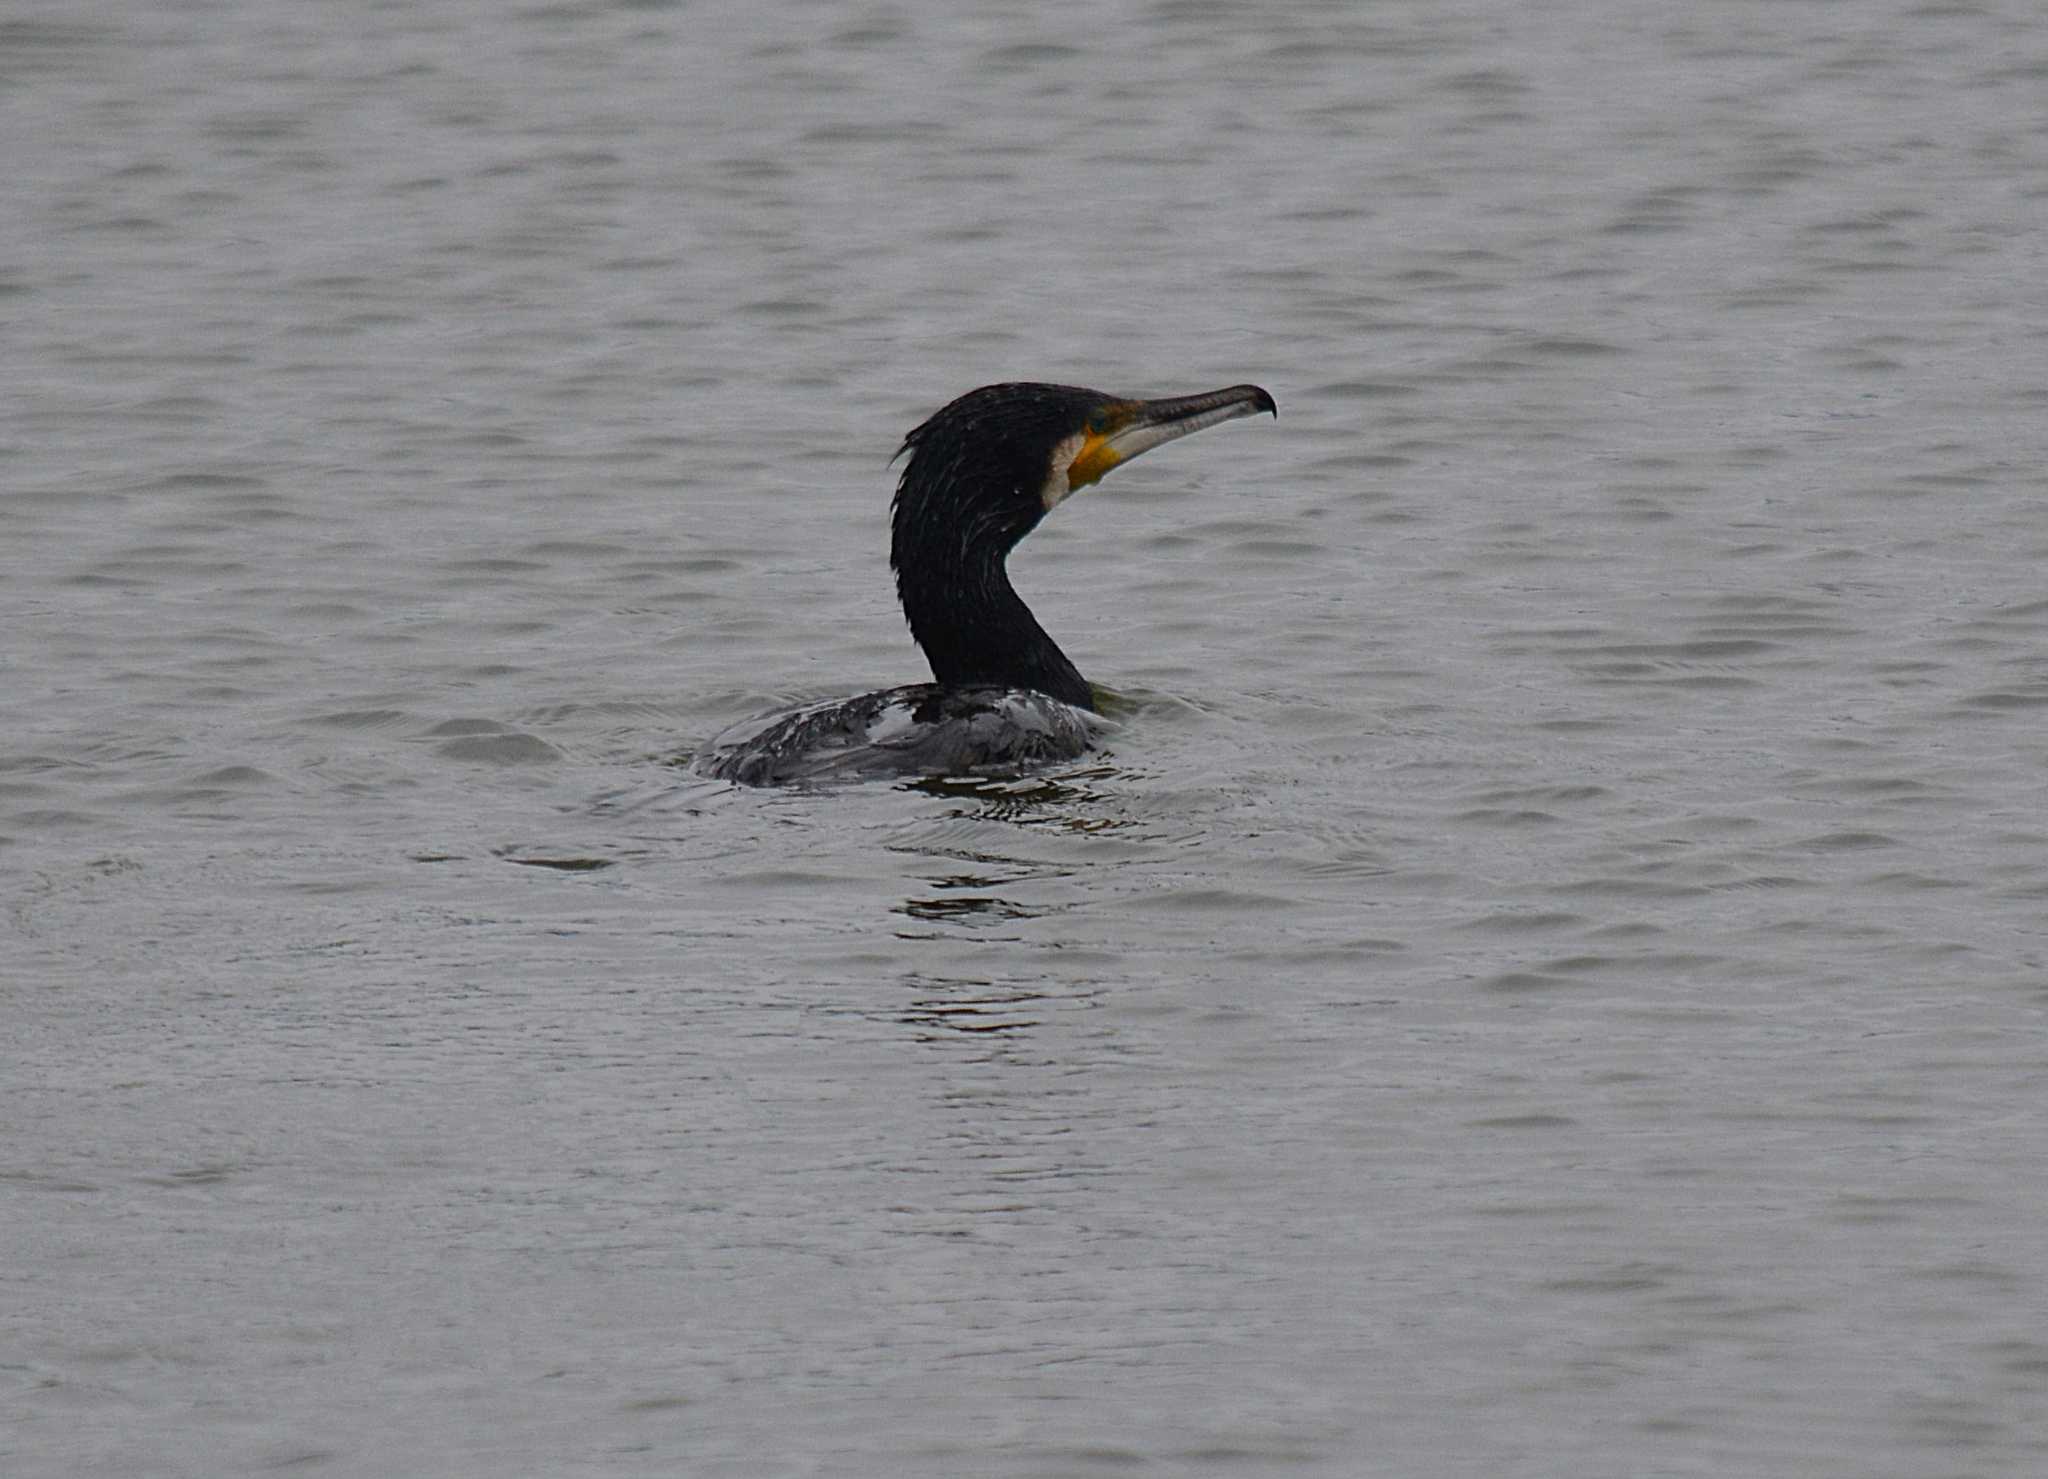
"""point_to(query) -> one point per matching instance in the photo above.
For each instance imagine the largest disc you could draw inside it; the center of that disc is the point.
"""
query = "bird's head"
(987, 467)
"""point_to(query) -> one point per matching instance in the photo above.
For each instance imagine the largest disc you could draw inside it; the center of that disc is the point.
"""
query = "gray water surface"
(1547, 979)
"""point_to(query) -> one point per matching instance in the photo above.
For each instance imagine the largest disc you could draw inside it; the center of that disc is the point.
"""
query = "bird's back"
(921, 729)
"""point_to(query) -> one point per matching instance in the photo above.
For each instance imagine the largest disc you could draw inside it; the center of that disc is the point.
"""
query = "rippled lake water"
(1548, 977)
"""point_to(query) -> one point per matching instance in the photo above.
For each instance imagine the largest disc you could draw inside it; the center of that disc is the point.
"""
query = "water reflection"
(990, 862)
(1061, 800)
(943, 1009)
(968, 908)
(976, 840)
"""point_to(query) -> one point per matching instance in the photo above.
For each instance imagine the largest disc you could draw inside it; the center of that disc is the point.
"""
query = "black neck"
(976, 631)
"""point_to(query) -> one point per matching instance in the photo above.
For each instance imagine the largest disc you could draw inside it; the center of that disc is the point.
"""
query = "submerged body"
(920, 729)
(982, 472)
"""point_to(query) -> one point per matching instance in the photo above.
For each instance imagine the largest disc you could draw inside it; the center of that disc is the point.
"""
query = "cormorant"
(982, 472)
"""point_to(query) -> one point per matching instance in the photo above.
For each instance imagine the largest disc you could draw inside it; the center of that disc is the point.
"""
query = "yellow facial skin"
(1119, 430)
(1097, 456)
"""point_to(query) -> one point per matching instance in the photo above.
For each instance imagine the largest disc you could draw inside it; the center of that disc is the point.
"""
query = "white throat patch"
(1055, 491)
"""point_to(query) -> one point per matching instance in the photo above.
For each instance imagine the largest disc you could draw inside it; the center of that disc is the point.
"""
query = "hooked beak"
(1139, 426)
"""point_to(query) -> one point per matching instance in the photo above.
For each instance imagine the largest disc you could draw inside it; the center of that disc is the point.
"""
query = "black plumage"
(981, 473)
